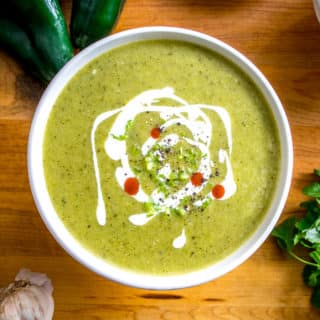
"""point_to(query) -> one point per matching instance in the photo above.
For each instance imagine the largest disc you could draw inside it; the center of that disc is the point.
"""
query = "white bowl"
(316, 5)
(63, 236)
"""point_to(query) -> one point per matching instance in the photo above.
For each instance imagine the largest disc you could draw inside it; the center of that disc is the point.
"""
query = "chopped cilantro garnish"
(125, 135)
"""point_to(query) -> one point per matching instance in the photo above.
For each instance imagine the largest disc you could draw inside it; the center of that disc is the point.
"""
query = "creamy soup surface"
(161, 157)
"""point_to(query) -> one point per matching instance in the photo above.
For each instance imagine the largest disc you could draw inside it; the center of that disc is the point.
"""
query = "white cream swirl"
(192, 117)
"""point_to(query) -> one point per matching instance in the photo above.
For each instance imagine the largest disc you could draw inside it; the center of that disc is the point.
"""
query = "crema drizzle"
(200, 127)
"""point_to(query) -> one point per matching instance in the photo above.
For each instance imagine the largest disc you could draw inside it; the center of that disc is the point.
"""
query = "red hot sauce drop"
(197, 179)
(131, 186)
(218, 191)
(155, 133)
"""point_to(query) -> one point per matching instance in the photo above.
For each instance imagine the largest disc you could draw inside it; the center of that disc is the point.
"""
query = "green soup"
(181, 175)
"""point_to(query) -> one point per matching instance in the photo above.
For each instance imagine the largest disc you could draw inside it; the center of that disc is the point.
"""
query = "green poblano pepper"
(93, 19)
(36, 32)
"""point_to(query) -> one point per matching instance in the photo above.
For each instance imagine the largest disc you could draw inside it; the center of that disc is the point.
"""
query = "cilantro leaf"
(284, 233)
(121, 137)
(317, 172)
(306, 222)
(310, 205)
(124, 136)
(315, 298)
(313, 236)
(313, 210)
(315, 255)
(312, 190)
(312, 217)
(311, 276)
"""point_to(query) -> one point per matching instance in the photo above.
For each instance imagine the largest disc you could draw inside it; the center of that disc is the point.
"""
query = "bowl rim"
(316, 6)
(96, 264)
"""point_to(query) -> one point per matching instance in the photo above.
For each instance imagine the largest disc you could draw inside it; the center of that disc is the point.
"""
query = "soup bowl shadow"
(100, 266)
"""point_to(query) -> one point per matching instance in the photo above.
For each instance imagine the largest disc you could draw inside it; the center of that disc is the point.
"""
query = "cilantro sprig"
(305, 232)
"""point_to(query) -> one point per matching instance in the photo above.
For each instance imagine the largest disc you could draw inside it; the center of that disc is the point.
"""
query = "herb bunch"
(305, 232)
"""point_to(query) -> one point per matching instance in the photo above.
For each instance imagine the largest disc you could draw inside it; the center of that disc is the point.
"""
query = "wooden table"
(283, 39)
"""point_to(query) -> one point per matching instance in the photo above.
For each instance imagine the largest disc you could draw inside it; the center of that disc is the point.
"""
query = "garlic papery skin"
(29, 297)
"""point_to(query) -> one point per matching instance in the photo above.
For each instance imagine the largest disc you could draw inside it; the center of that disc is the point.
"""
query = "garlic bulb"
(29, 297)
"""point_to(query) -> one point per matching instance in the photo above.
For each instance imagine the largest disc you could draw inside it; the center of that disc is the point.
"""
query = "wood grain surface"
(283, 39)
